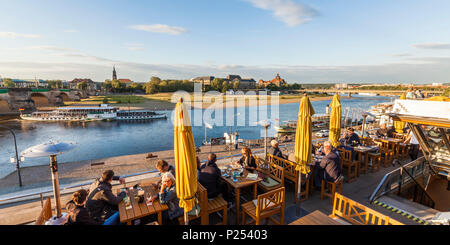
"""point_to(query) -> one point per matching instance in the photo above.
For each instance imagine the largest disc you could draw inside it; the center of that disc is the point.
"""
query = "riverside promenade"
(26, 210)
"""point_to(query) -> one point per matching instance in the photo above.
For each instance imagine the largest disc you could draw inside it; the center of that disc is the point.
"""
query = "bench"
(291, 174)
(358, 214)
(46, 212)
(97, 164)
(272, 171)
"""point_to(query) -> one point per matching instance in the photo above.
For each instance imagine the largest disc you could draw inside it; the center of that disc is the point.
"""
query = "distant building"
(341, 86)
(91, 85)
(278, 81)
(127, 82)
(244, 83)
(27, 83)
(114, 74)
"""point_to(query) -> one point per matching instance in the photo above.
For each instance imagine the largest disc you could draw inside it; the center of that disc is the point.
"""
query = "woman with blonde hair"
(247, 160)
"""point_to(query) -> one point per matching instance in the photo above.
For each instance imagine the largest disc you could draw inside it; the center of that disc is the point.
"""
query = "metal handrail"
(420, 187)
(379, 191)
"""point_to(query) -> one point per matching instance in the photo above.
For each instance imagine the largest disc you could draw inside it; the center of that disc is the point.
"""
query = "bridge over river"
(13, 99)
(371, 92)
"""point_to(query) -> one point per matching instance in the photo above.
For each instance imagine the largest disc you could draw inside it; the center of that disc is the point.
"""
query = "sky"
(306, 41)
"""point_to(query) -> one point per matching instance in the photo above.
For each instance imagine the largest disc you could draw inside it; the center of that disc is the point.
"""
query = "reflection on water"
(105, 139)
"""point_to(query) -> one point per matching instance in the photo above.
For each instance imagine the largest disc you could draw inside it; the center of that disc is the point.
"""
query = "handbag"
(195, 211)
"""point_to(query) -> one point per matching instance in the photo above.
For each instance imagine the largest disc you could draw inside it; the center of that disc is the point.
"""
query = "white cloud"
(51, 48)
(288, 11)
(135, 46)
(71, 31)
(432, 45)
(17, 35)
(173, 30)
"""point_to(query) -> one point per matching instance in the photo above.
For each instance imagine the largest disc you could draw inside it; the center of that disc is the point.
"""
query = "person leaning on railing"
(101, 202)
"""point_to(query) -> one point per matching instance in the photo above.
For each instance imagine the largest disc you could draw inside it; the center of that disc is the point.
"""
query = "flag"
(208, 125)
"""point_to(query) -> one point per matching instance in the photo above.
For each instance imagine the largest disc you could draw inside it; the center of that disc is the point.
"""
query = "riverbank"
(162, 102)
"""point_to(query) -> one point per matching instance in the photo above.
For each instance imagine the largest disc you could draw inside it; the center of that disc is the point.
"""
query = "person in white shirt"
(414, 151)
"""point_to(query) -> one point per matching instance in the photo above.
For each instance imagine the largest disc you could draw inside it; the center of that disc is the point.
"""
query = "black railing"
(420, 194)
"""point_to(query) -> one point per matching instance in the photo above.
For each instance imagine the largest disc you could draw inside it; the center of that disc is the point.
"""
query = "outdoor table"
(363, 150)
(394, 141)
(140, 210)
(242, 182)
(316, 218)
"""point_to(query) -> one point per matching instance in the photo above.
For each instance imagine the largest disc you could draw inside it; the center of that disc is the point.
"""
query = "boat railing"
(395, 179)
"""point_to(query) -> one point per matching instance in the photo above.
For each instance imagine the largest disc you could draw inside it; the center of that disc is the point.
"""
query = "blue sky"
(308, 41)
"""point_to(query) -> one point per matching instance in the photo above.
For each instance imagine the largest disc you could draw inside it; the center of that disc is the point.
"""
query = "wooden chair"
(332, 187)
(292, 175)
(276, 175)
(387, 154)
(46, 212)
(202, 197)
(375, 159)
(349, 166)
(265, 206)
(216, 205)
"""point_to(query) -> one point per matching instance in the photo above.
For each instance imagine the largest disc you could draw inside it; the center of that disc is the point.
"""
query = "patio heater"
(364, 115)
(51, 150)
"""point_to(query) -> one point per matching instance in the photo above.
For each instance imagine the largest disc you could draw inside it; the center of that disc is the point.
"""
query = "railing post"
(42, 201)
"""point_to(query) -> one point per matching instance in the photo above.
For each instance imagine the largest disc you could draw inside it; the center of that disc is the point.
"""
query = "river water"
(97, 140)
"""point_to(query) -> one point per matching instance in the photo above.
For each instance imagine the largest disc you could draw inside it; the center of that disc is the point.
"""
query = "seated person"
(384, 131)
(350, 137)
(168, 195)
(275, 149)
(209, 177)
(101, 202)
(163, 167)
(247, 161)
(329, 169)
(79, 215)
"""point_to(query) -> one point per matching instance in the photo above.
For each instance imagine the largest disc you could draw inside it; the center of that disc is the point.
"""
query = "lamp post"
(17, 155)
(363, 124)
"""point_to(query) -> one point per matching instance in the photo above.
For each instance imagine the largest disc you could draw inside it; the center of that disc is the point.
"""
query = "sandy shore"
(163, 104)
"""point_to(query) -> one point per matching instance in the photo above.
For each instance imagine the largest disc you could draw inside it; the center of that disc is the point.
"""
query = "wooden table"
(242, 182)
(315, 218)
(363, 151)
(140, 210)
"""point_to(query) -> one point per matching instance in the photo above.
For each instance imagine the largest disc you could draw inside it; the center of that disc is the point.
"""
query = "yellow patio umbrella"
(303, 142)
(399, 125)
(185, 159)
(335, 121)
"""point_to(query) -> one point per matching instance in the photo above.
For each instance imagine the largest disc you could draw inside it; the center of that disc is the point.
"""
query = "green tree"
(225, 87)
(117, 86)
(236, 85)
(216, 84)
(155, 80)
(135, 86)
(446, 92)
(151, 88)
(7, 82)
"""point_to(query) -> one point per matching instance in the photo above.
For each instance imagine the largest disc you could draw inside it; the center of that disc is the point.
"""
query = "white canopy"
(436, 109)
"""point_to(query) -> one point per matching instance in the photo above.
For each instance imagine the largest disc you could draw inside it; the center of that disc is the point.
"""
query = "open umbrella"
(335, 121)
(399, 125)
(185, 159)
(51, 149)
(303, 143)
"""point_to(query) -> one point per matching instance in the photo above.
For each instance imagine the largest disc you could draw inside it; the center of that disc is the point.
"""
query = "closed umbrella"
(185, 159)
(51, 149)
(335, 121)
(399, 125)
(303, 143)
(438, 98)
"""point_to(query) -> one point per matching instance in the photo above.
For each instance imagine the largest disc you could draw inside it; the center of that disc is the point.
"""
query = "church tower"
(114, 77)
